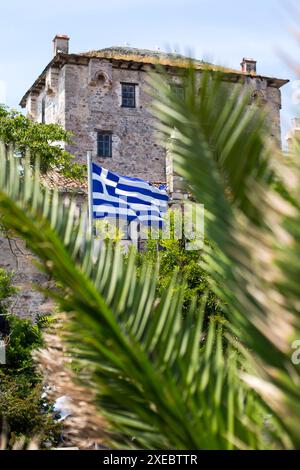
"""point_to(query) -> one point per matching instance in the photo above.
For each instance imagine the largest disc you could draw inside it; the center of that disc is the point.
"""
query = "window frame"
(104, 133)
(134, 85)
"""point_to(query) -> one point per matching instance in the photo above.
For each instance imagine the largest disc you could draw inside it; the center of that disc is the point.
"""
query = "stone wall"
(87, 98)
(94, 104)
(270, 97)
(53, 95)
(16, 259)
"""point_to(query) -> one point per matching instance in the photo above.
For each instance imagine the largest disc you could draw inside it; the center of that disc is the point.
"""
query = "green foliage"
(6, 290)
(44, 321)
(23, 410)
(41, 141)
(171, 255)
(21, 407)
(23, 339)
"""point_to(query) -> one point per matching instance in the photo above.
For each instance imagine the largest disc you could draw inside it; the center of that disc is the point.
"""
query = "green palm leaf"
(155, 382)
(221, 150)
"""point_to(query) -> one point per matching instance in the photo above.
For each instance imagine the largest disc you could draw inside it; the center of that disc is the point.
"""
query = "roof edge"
(62, 59)
(58, 59)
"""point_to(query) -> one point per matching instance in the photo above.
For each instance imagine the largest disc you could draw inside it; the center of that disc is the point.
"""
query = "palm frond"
(157, 385)
(221, 148)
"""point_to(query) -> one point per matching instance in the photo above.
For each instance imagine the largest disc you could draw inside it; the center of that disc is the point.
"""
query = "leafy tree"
(42, 141)
(171, 255)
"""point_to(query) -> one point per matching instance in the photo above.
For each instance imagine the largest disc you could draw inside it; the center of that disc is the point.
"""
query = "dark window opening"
(104, 144)
(251, 68)
(178, 91)
(43, 110)
(128, 95)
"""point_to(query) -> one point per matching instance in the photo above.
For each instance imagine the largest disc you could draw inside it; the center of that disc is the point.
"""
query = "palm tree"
(156, 382)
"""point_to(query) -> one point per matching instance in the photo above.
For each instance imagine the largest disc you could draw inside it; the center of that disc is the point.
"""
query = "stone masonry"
(16, 259)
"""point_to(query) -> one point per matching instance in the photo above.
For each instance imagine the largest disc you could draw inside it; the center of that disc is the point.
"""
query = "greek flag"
(126, 198)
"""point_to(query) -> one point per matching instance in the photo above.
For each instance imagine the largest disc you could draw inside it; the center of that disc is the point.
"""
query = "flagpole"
(90, 193)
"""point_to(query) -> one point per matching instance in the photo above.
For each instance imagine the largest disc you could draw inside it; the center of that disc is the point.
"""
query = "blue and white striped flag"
(127, 198)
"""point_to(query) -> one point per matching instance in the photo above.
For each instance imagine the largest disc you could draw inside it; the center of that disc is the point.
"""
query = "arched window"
(101, 79)
(258, 98)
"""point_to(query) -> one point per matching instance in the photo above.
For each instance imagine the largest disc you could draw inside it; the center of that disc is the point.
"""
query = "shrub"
(21, 404)
(172, 255)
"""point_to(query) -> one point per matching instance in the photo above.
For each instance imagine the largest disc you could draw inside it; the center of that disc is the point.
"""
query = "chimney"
(249, 66)
(61, 44)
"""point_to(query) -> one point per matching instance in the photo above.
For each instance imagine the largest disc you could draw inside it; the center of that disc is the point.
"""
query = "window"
(251, 67)
(104, 144)
(178, 91)
(128, 95)
(43, 117)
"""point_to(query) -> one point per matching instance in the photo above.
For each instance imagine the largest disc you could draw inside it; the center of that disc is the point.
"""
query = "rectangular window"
(104, 144)
(128, 95)
(178, 91)
(43, 111)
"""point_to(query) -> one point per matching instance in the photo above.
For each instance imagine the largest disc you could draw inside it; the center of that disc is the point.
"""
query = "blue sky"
(222, 31)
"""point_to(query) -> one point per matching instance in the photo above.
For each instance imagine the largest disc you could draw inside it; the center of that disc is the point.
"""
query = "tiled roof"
(55, 180)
